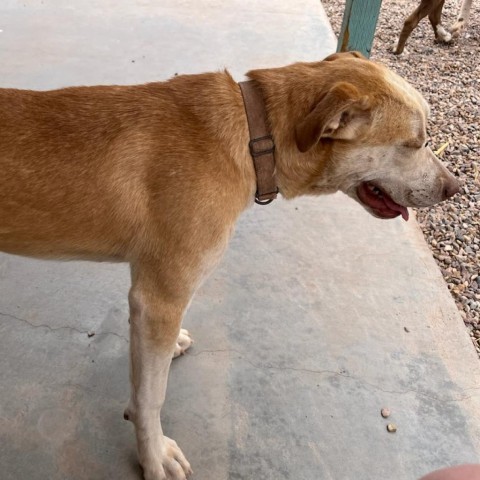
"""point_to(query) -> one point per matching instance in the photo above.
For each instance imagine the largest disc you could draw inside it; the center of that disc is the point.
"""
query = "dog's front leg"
(155, 320)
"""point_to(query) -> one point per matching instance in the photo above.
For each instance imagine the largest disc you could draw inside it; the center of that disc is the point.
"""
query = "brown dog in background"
(157, 175)
(433, 8)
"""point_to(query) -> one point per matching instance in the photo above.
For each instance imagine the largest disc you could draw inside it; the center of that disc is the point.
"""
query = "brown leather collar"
(261, 145)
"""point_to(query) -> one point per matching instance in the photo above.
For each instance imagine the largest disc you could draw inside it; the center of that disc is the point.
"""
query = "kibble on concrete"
(391, 427)
(449, 78)
(385, 412)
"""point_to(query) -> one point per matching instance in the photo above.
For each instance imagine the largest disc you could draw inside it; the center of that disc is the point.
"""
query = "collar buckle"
(261, 146)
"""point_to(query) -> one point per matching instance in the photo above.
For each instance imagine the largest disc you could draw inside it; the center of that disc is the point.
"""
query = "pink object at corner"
(460, 472)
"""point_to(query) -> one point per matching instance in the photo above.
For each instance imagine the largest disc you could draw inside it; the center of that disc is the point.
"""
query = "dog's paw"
(457, 28)
(443, 35)
(397, 50)
(170, 464)
(184, 342)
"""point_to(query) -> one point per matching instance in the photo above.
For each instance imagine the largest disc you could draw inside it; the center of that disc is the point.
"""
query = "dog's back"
(80, 166)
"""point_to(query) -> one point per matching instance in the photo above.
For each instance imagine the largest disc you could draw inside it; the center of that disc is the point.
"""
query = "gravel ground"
(449, 78)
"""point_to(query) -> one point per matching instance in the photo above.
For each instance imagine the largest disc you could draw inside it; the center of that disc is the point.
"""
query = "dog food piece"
(391, 427)
(385, 412)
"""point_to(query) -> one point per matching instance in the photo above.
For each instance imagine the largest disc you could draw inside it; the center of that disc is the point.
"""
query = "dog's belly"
(59, 231)
(52, 251)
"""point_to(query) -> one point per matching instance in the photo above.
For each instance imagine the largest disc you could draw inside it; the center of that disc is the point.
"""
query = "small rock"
(391, 427)
(91, 333)
(406, 329)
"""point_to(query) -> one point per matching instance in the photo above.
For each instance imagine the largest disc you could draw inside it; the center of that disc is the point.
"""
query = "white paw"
(394, 49)
(443, 35)
(170, 464)
(184, 342)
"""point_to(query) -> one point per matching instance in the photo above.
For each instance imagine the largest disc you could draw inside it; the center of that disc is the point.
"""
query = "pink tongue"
(396, 207)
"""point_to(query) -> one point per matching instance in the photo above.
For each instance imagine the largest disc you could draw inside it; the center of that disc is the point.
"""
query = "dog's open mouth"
(380, 202)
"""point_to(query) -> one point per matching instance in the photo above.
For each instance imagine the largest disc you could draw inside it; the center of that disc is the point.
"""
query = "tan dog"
(433, 8)
(157, 175)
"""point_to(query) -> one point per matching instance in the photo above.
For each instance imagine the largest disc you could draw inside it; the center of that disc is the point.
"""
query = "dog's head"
(367, 130)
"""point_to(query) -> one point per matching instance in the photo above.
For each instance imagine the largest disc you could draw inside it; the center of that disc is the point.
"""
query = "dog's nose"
(451, 187)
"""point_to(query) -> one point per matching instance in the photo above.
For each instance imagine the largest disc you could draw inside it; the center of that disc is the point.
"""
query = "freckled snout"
(433, 184)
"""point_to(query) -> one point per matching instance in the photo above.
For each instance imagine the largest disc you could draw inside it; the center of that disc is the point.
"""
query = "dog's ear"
(338, 115)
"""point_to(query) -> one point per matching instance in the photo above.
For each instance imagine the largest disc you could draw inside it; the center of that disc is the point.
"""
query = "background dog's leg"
(462, 18)
(411, 22)
(155, 319)
(435, 18)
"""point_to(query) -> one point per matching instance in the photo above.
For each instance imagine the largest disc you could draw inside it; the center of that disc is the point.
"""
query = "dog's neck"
(261, 145)
(296, 173)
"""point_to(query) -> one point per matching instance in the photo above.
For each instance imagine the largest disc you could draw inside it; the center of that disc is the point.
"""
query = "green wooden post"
(358, 27)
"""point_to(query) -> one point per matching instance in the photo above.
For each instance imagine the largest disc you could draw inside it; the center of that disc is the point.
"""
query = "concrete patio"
(289, 371)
